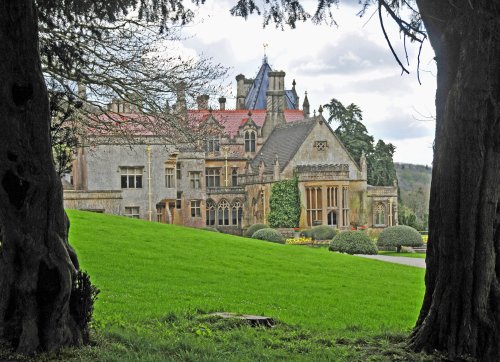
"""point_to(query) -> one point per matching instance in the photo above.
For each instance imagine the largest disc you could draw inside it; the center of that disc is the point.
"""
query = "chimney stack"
(222, 103)
(240, 91)
(202, 102)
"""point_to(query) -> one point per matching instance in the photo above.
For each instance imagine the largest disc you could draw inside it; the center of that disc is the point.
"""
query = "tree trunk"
(460, 314)
(37, 266)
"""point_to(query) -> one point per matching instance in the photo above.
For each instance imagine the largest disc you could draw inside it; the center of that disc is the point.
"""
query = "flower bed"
(299, 241)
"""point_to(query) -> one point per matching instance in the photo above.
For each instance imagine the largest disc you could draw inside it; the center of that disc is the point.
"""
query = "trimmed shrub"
(209, 228)
(398, 236)
(353, 242)
(323, 232)
(253, 228)
(268, 234)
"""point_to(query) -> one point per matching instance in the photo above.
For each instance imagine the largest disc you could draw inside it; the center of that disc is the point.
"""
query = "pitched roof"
(257, 98)
(291, 100)
(284, 142)
(231, 120)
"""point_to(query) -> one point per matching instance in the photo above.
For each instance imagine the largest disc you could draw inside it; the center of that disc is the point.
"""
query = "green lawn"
(407, 255)
(158, 282)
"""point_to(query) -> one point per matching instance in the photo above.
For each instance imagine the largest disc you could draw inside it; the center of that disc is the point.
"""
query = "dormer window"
(213, 144)
(249, 141)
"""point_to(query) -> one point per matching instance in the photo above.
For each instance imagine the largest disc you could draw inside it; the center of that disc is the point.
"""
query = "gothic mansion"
(227, 184)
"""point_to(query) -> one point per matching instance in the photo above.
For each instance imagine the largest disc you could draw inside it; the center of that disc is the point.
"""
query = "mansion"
(225, 182)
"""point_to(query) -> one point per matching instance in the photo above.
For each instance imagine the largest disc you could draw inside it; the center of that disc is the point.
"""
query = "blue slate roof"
(291, 101)
(256, 97)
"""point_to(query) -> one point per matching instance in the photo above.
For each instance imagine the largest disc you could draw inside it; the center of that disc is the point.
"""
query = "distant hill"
(411, 177)
(414, 188)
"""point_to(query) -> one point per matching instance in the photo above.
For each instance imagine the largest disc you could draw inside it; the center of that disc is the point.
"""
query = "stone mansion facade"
(226, 182)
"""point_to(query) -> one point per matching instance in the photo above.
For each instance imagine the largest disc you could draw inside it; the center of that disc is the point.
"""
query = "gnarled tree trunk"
(461, 309)
(37, 266)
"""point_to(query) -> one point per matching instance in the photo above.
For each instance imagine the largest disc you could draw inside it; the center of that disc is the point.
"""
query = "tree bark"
(460, 315)
(37, 266)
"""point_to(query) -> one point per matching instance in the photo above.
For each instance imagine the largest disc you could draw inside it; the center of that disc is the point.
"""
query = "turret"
(275, 102)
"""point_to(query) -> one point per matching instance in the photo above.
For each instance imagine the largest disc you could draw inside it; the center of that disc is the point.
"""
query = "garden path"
(416, 262)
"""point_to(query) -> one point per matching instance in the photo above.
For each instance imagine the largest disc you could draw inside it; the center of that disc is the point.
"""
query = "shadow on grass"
(197, 336)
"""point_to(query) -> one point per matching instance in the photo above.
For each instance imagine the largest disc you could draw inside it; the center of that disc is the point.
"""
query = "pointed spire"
(305, 106)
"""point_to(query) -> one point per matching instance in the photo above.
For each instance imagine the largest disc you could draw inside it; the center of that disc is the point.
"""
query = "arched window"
(379, 214)
(210, 213)
(249, 141)
(236, 213)
(223, 212)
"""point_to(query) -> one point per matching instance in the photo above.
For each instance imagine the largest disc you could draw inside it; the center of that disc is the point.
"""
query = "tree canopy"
(355, 137)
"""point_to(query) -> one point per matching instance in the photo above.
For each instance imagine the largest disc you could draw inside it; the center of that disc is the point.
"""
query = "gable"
(321, 148)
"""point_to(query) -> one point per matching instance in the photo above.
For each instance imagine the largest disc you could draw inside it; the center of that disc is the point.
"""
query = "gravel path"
(416, 262)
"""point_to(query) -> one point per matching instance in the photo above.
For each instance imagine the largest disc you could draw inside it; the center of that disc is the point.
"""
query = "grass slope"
(154, 277)
(148, 270)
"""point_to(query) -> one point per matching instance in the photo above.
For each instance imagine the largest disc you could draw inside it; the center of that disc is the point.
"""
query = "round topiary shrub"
(398, 236)
(353, 242)
(323, 232)
(252, 229)
(268, 234)
(209, 228)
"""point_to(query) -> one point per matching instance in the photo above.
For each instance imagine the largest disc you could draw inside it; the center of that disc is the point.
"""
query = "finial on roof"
(265, 45)
(320, 109)
(314, 113)
(210, 109)
(249, 113)
(293, 84)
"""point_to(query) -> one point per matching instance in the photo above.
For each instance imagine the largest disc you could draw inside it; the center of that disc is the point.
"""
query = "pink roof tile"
(232, 120)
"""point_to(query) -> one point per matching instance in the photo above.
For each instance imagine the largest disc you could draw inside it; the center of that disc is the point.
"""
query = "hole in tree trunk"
(11, 156)
(21, 94)
(16, 189)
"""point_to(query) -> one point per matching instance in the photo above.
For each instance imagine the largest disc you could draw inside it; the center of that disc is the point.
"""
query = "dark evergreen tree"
(351, 131)
(355, 137)
(381, 170)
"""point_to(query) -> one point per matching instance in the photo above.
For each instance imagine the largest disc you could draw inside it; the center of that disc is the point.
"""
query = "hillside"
(411, 177)
(414, 186)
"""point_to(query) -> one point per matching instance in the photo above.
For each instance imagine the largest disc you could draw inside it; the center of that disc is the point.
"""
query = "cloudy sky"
(351, 62)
